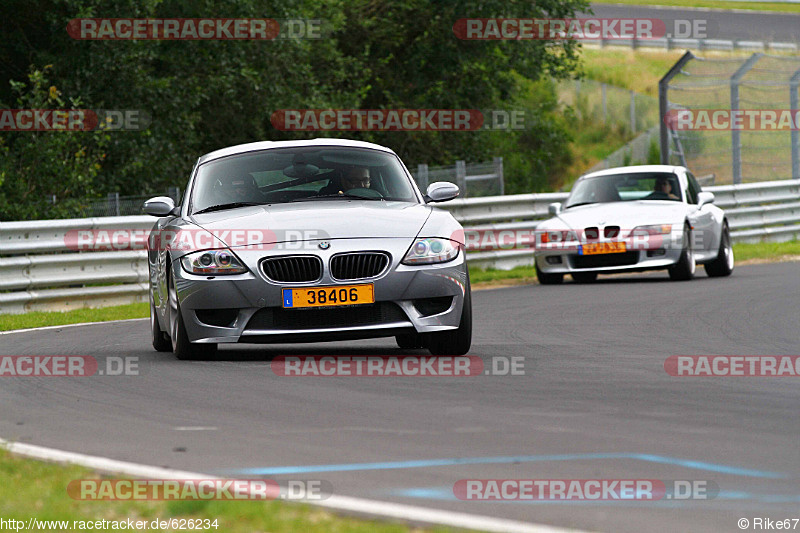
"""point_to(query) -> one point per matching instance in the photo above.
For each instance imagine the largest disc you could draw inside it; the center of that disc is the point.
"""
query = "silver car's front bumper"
(248, 307)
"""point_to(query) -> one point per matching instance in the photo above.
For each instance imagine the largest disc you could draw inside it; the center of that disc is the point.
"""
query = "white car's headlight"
(431, 250)
(655, 229)
(216, 262)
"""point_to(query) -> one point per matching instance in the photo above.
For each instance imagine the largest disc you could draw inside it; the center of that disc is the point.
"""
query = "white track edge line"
(45, 328)
(364, 507)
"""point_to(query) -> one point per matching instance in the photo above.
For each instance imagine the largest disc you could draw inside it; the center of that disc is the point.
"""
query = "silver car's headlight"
(216, 262)
(429, 251)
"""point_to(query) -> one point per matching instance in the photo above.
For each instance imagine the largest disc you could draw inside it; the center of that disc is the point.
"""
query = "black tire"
(685, 268)
(584, 277)
(456, 341)
(184, 349)
(548, 279)
(724, 263)
(410, 341)
(161, 341)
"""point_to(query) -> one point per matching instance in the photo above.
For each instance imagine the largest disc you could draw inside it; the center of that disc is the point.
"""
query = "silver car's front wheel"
(161, 341)
(183, 348)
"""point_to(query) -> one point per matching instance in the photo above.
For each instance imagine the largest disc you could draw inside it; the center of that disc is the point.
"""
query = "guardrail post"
(794, 106)
(736, 136)
(461, 177)
(663, 102)
(498, 170)
(422, 177)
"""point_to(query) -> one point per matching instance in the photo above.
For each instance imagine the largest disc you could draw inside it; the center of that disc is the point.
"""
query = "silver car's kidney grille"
(359, 265)
(293, 269)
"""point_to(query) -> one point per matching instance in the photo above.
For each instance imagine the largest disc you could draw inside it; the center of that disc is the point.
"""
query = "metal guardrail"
(473, 179)
(672, 43)
(39, 271)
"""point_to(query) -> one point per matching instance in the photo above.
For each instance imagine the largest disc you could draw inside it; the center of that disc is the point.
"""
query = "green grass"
(714, 4)
(480, 275)
(39, 319)
(766, 251)
(34, 489)
(635, 70)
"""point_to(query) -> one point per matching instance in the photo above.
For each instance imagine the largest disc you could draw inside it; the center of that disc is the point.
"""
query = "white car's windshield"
(625, 188)
(300, 174)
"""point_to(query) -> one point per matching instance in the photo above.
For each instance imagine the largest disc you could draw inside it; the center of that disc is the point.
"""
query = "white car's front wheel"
(723, 264)
(685, 268)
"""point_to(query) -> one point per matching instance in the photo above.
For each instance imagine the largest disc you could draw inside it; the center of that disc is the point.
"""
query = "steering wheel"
(364, 192)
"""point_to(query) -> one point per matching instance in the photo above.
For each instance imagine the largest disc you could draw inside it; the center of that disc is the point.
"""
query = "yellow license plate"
(329, 296)
(603, 248)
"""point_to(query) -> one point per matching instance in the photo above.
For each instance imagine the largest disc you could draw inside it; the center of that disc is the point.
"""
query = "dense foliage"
(203, 95)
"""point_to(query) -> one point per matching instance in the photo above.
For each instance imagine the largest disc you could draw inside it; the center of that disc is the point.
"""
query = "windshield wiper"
(579, 203)
(328, 196)
(230, 205)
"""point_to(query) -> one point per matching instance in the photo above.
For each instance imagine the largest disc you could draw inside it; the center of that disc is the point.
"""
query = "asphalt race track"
(594, 402)
(727, 25)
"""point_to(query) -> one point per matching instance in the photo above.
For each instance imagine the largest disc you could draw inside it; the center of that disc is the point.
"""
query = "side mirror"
(554, 209)
(441, 191)
(160, 206)
(704, 198)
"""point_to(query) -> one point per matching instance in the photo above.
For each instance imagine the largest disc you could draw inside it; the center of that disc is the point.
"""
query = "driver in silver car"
(356, 178)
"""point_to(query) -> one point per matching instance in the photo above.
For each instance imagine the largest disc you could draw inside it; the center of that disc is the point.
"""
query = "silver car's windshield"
(625, 188)
(304, 174)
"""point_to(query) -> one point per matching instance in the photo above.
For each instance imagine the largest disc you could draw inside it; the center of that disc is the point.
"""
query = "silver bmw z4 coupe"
(306, 241)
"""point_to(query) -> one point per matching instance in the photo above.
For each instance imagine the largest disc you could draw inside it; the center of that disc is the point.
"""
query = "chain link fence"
(592, 101)
(720, 89)
(113, 205)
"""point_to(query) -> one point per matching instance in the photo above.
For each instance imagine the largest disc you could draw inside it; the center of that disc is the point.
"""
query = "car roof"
(634, 170)
(267, 145)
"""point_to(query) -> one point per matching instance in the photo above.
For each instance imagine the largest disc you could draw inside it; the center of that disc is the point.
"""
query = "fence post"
(603, 93)
(461, 177)
(736, 135)
(422, 177)
(498, 170)
(663, 104)
(794, 84)
(113, 204)
(633, 113)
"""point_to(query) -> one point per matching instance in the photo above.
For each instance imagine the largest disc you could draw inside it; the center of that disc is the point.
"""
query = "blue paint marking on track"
(512, 459)
(446, 493)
